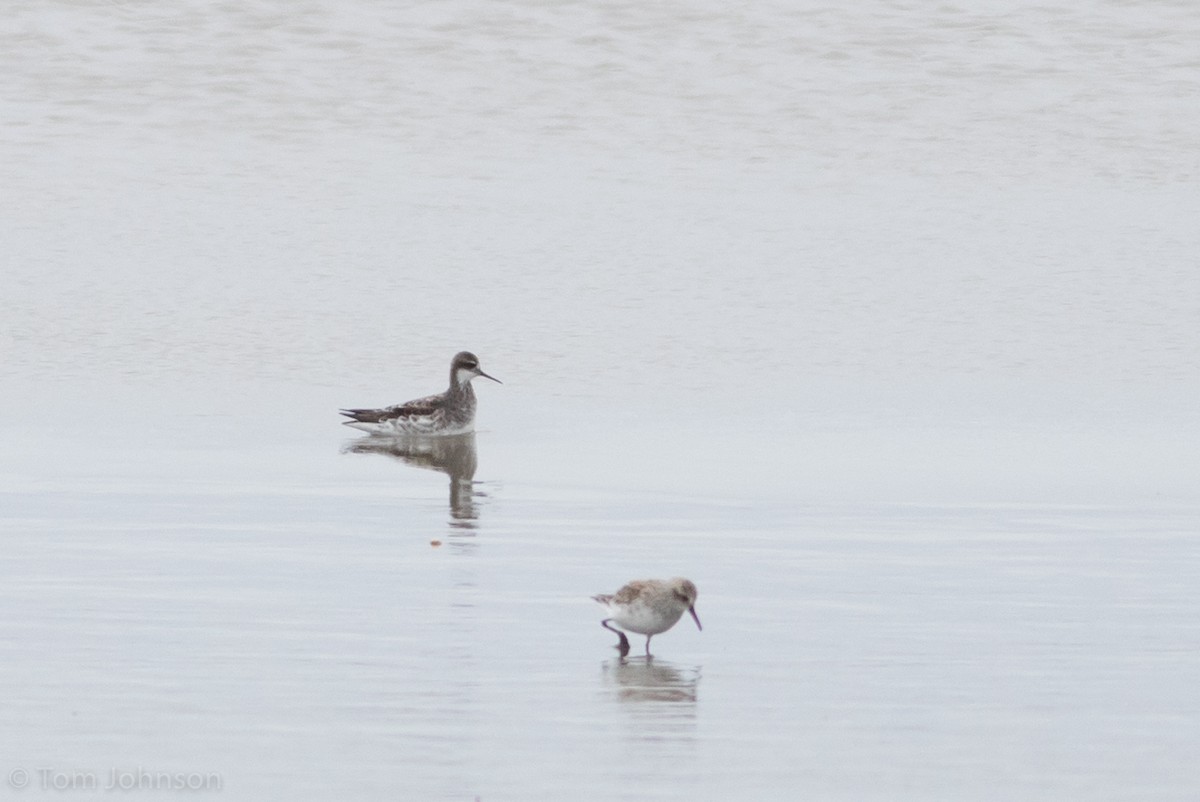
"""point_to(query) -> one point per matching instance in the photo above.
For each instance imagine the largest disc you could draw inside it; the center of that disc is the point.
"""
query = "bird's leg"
(623, 644)
(648, 637)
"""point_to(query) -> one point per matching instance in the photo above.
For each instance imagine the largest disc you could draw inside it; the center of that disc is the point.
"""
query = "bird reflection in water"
(454, 456)
(650, 680)
(658, 703)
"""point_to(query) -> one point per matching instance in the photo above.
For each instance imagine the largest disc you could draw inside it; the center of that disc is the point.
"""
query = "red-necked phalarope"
(648, 607)
(448, 413)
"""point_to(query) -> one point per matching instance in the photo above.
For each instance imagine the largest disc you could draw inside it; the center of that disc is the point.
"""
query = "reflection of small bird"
(648, 607)
(451, 412)
(652, 681)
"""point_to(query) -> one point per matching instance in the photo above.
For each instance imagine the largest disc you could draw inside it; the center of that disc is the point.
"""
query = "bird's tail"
(363, 415)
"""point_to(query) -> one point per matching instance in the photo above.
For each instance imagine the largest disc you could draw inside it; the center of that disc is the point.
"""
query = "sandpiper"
(448, 413)
(648, 607)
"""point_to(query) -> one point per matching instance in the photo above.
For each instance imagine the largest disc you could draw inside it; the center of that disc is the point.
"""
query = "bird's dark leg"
(623, 644)
(648, 637)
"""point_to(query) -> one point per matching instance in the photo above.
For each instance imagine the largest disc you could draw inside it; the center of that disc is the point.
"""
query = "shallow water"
(304, 636)
(879, 324)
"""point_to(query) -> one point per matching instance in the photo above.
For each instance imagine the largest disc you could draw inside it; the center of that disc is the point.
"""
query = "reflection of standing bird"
(648, 607)
(451, 412)
(454, 456)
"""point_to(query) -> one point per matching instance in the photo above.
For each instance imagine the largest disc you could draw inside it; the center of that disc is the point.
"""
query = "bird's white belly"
(644, 619)
(412, 426)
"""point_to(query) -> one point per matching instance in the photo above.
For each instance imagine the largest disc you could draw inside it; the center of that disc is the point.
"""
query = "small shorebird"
(648, 607)
(448, 413)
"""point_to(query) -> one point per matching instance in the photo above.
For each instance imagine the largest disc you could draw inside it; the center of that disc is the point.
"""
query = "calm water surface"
(878, 323)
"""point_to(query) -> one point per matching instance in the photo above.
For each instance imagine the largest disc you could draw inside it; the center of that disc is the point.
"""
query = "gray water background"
(880, 323)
